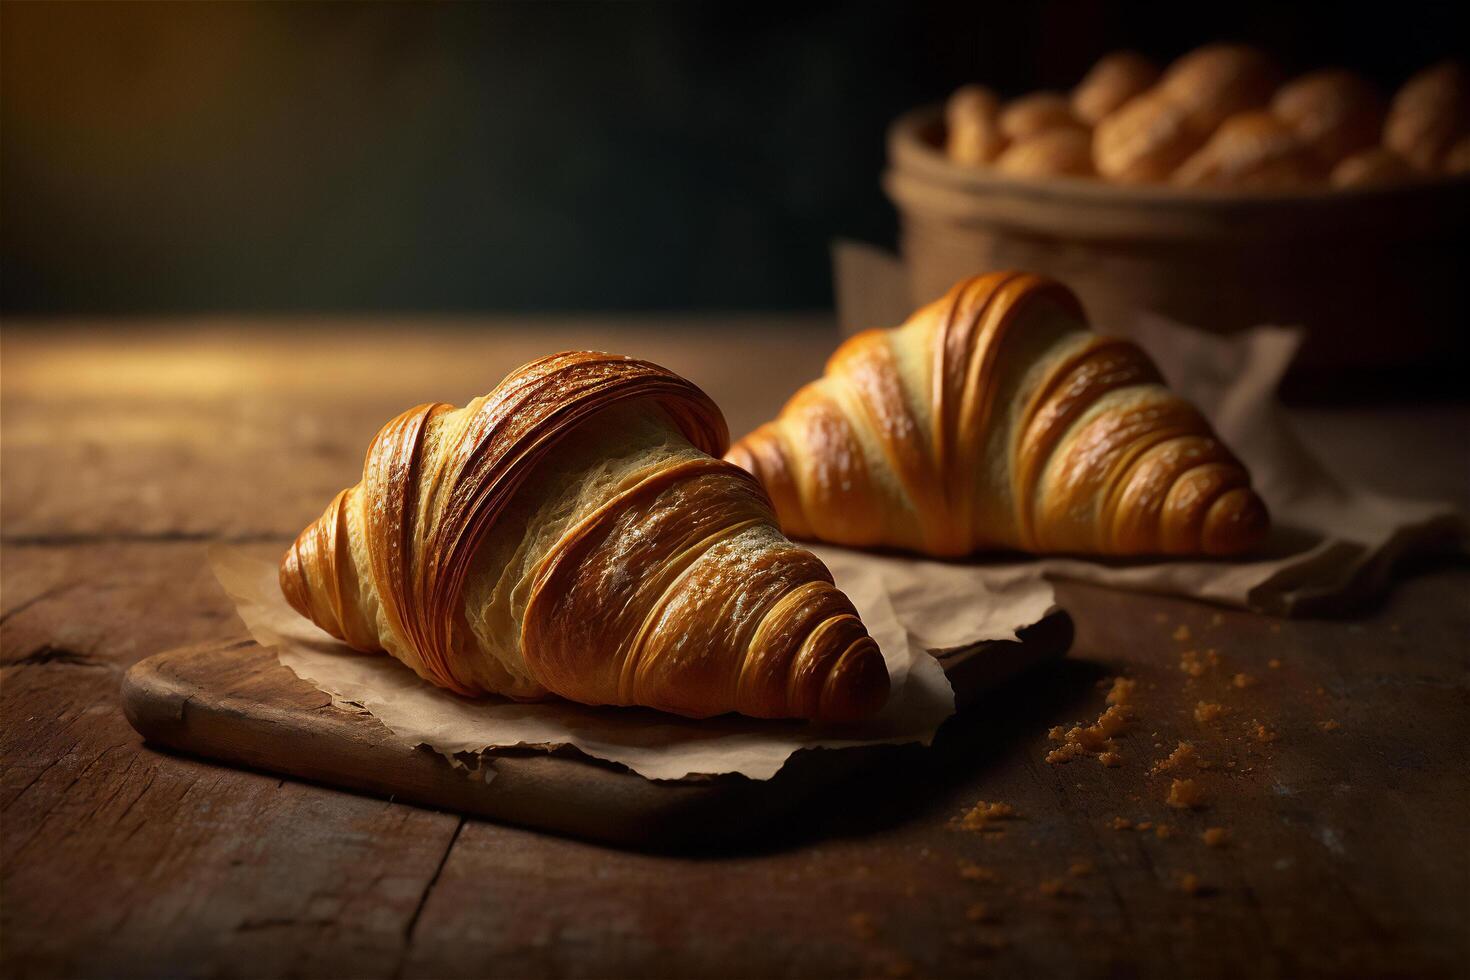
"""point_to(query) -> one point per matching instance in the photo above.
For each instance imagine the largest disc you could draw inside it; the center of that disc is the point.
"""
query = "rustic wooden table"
(129, 446)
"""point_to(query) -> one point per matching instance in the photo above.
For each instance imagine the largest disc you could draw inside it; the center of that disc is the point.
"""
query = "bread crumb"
(1182, 634)
(1122, 823)
(862, 925)
(1164, 831)
(1056, 733)
(1058, 888)
(971, 871)
(1121, 691)
(1144, 825)
(1208, 711)
(1189, 662)
(1095, 739)
(1182, 756)
(1113, 721)
(1081, 869)
(1329, 725)
(1274, 664)
(980, 912)
(1190, 884)
(1215, 836)
(1111, 758)
(1066, 753)
(1262, 733)
(979, 816)
(1185, 794)
(1243, 680)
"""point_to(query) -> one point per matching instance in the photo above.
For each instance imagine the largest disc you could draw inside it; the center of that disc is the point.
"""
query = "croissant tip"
(858, 685)
(1236, 524)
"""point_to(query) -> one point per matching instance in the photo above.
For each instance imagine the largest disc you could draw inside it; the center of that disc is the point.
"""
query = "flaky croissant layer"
(571, 533)
(994, 419)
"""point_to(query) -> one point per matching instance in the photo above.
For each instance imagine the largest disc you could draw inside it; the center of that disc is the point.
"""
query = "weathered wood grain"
(234, 702)
(122, 861)
(245, 430)
(1347, 854)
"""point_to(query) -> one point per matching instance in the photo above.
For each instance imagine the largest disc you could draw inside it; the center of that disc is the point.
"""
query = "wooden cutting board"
(237, 704)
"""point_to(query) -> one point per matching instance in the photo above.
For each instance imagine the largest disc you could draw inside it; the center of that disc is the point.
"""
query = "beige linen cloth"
(1332, 544)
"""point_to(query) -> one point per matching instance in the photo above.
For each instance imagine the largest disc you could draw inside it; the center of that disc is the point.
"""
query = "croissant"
(995, 419)
(574, 533)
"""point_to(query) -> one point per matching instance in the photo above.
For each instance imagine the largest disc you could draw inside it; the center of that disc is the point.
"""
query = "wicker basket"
(1377, 277)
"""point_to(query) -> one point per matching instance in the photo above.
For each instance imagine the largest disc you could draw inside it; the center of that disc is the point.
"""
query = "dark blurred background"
(188, 157)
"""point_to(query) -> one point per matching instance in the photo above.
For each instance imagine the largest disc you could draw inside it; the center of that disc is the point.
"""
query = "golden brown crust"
(1144, 140)
(1053, 153)
(1039, 112)
(662, 595)
(1457, 157)
(1217, 81)
(1373, 167)
(1335, 112)
(1428, 114)
(1005, 424)
(1253, 149)
(1114, 80)
(973, 135)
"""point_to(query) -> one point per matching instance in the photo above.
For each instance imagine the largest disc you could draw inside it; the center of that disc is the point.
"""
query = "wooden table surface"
(128, 446)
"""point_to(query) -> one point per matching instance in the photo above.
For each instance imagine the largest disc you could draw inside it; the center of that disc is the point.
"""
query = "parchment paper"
(908, 608)
(1332, 543)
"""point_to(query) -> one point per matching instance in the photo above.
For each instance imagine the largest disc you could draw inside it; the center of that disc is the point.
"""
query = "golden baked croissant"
(995, 419)
(574, 533)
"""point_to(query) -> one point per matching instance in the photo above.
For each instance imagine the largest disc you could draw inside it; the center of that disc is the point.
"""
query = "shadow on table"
(898, 784)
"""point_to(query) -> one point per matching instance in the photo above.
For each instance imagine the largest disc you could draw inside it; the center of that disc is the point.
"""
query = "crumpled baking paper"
(908, 607)
(1332, 543)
